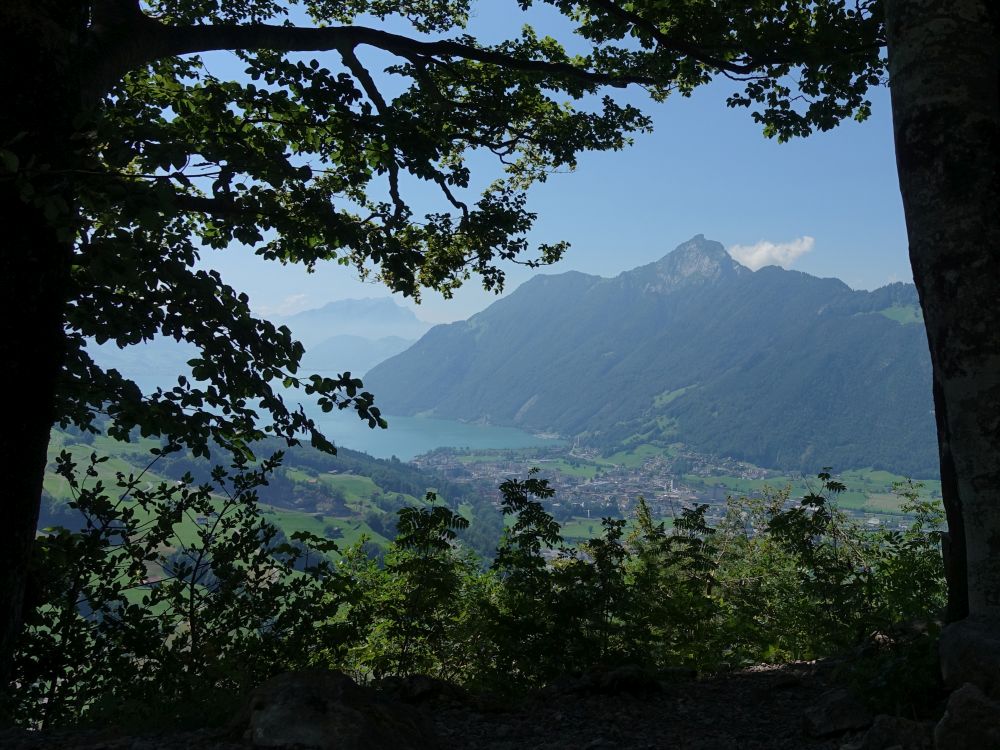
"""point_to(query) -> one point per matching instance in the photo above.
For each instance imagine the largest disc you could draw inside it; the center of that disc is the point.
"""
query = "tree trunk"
(943, 71)
(36, 42)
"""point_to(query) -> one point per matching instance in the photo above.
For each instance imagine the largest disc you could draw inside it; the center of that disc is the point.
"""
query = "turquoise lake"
(405, 438)
(408, 437)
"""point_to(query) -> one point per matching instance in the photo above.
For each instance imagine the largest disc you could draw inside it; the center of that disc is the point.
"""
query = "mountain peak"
(369, 317)
(697, 261)
(696, 349)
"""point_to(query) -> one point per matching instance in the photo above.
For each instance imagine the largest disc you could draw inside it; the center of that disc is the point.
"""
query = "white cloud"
(765, 253)
(293, 303)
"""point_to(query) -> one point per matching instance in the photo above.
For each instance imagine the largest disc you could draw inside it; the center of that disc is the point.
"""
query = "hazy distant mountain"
(354, 354)
(152, 364)
(346, 335)
(777, 367)
(372, 318)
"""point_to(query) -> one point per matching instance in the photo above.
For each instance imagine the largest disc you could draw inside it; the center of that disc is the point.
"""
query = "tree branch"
(110, 13)
(674, 45)
(360, 72)
(151, 40)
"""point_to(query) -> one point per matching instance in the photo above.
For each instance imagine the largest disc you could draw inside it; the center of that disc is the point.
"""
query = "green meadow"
(133, 459)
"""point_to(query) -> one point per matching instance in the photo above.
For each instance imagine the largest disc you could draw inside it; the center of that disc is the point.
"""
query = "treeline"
(133, 620)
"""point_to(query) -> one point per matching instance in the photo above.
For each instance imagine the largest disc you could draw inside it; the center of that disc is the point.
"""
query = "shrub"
(168, 593)
(181, 596)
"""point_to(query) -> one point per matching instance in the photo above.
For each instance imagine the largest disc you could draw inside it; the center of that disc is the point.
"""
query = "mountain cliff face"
(776, 367)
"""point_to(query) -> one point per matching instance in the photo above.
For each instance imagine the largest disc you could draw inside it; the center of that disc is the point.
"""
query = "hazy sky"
(828, 205)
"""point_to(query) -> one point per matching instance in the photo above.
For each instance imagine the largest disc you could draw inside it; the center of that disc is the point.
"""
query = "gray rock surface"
(970, 652)
(972, 722)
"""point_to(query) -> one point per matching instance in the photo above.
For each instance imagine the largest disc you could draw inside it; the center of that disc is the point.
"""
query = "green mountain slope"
(776, 367)
(343, 496)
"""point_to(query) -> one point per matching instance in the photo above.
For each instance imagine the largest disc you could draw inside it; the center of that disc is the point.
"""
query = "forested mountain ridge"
(776, 367)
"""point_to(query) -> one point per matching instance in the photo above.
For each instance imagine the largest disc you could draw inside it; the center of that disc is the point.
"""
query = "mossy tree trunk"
(943, 64)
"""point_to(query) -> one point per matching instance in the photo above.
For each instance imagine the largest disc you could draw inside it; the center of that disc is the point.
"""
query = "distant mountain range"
(372, 318)
(346, 335)
(355, 354)
(776, 367)
(353, 334)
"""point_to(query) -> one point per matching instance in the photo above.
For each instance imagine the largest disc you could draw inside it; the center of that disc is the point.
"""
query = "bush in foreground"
(181, 595)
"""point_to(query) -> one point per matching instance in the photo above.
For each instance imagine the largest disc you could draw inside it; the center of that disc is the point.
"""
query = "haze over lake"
(408, 437)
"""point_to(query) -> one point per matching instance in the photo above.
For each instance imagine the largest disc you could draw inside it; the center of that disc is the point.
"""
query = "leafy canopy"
(306, 156)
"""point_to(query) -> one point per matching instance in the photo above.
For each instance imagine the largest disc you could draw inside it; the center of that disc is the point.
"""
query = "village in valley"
(590, 486)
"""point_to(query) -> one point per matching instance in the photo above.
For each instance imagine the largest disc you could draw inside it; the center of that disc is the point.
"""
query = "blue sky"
(828, 205)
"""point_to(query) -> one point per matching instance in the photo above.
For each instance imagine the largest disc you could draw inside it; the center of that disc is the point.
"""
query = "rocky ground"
(754, 710)
(769, 708)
